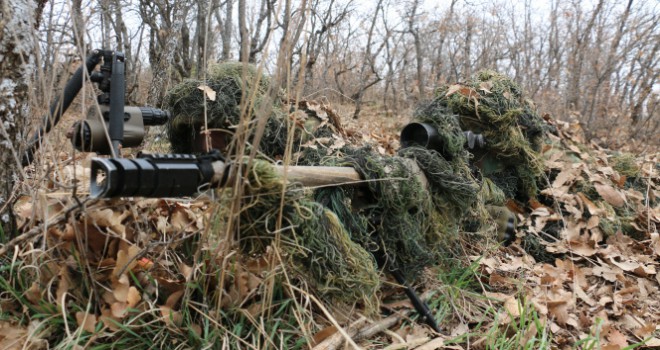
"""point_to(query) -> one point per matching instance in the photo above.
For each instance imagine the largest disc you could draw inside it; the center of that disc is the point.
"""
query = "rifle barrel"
(180, 175)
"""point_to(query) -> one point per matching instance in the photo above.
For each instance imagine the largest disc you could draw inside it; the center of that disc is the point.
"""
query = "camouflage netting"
(410, 220)
(335, 235)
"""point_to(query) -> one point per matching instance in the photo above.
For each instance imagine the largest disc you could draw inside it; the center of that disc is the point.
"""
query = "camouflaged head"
(230, 89)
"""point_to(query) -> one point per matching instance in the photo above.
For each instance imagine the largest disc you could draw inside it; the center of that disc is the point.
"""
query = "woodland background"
(594, 65)
(592, 62)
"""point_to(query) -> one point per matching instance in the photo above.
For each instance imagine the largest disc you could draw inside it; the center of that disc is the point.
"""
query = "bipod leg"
(418, 303)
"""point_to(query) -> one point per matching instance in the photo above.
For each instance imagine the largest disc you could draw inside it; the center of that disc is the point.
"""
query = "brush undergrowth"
(271, 316)
(460, 299)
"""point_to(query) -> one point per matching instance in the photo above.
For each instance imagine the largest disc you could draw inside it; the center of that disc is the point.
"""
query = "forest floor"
(585, 285)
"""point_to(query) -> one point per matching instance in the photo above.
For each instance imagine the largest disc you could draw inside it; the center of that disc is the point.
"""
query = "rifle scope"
(427, 136)
(89, 135)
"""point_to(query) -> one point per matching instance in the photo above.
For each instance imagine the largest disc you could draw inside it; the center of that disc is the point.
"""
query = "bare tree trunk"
(226, 34)
(467, 65)
(582, 36)
(161, 70)
(258, 42)
(16, 49)
(609, 63)
(413, 29)
(243, 31)
(202, 36)
(445, 29)
(78, 24)
(368, 68)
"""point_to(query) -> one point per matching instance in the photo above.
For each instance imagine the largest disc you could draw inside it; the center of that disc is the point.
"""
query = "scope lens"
(82, 137)
(154, 116)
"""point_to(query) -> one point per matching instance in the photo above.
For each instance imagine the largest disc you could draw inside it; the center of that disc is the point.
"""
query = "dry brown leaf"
(174, 298)
(110, 219)
(606, 272)
(86, 321)
(512, 307)
(24, 210)
(133, 297)
(579, 292)
(452, 89)
(460, 329)
(591, 206)
(208, 91)
(323, 334)
(197, 329)
(617, 338)
(118, 309)
(528, 335)
(496, 279)
(181, 220)
(644, 270)
(611, 347)
(593, 222)
(500, 297)
(109, 320)
(186, 271)
(162, 224)
(437, 343)
(610, 195)
(634, 266)
(645, 331)
(52, 209)
(126, 259)
(33, 294)
(63, 285)
(652, 342)
(486, 86)
(12, 337)
(583, 248)
(120, 288)
(559, 312)
(108, 297)
(171, 317)
(655, 243)
(564, 176)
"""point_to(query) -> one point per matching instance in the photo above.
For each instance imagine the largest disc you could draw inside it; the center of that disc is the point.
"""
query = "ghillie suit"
(406, 214)
(507, 166)
(493, 105)
(230, 83)
(234, 93)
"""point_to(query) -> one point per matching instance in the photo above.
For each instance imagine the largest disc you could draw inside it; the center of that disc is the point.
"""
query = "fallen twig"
(35, 231)
(336, 340)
